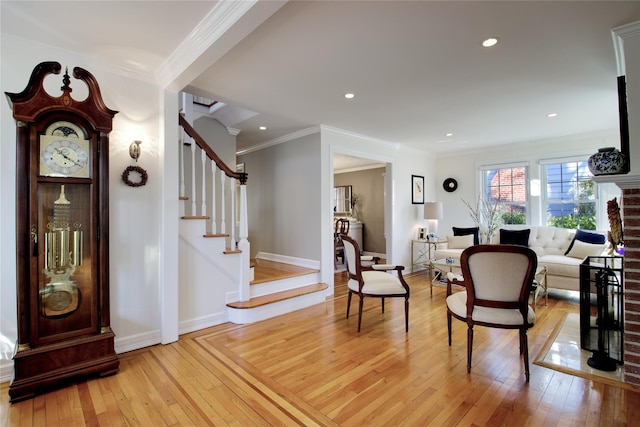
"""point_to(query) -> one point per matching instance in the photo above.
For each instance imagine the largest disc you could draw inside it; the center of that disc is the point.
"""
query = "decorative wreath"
(143, 176)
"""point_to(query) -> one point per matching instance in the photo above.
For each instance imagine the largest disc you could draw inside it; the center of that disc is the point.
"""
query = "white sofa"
(550, 244)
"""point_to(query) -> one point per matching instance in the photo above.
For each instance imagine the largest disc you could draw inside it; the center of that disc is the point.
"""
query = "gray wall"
(283, 197)
(369, 185)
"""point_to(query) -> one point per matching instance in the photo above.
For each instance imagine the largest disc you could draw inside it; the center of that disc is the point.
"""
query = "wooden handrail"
(241, 176)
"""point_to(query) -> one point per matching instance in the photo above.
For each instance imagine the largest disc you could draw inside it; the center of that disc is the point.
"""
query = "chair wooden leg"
(449, 326)
(525, 352)
(360, 312)
(348, 303)
(382, 304)
(406, 314)
(469, 347)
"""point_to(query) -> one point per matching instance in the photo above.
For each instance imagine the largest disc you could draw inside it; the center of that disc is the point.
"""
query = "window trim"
(544, 201)
(508, 165)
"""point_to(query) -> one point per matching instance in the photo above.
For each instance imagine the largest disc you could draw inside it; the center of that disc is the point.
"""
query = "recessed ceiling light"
(491, 41)
(349, 95)
(552, 115)
(448, 134)
(262, 128)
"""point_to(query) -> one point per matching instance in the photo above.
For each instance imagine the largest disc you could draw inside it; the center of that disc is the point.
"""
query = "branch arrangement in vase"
(487, 216)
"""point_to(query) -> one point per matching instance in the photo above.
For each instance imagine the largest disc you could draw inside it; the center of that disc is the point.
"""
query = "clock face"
(64, 152)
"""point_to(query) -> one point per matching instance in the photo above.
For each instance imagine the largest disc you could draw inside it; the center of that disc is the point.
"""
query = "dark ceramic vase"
(607, 161)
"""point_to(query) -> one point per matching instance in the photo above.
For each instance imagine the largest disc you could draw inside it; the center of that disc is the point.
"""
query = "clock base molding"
(38, 369)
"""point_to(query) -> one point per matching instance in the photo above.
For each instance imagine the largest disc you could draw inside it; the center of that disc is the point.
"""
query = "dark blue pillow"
(457, 231)
(515, 237)
(585, 236)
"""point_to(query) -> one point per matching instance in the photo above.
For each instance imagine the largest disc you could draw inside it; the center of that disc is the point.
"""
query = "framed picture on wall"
(417, 190)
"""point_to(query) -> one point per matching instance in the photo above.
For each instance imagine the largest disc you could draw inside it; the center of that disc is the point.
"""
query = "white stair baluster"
(223, 228)
(214, 226)
(203, 158)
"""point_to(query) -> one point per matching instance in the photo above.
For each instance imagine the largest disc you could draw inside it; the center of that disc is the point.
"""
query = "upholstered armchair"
(373, 281)
(497, 280)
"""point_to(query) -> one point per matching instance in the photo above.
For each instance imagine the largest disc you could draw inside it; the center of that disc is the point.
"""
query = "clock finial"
(66, 80)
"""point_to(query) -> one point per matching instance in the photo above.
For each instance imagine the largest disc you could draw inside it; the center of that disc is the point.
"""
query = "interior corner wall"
(134, 215)
(282, 197)
(463, 167)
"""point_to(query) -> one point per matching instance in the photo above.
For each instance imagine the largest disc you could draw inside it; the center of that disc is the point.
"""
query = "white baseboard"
(204, 322)
(136, 342)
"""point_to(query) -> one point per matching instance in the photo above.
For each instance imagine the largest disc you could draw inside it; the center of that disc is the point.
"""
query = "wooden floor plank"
(312, 367)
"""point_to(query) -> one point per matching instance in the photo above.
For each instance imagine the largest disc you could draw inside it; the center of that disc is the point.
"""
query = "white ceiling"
(416, 67)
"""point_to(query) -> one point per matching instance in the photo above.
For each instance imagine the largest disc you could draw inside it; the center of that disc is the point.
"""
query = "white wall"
(464, 168)
(135, 213)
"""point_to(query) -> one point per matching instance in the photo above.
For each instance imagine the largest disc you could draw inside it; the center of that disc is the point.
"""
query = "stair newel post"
(233, 190)
(223, 218)
(214, 225)
(203, 186)
(193, 178)
(182, 141)
(243, 243)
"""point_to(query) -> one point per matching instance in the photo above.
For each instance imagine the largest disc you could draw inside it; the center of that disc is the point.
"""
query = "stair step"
(279, 296)
(215, 235)
(232, 251)
(195, 217)
(267, 271)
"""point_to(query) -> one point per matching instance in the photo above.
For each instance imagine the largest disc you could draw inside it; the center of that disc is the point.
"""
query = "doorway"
(366, 180)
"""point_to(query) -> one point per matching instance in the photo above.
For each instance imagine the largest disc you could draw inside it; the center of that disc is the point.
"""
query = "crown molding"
(280, 140)
(619, 34)
(217, 22)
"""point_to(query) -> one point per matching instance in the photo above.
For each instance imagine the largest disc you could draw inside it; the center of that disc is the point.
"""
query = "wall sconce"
(134, 150)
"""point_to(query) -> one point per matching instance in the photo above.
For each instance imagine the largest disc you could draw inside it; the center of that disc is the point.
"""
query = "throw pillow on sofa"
(459, 242)
(586, 237)
(581, 250)
(475, 231)
(515, 237)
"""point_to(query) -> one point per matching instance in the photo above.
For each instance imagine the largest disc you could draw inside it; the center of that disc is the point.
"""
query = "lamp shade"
(433, 210)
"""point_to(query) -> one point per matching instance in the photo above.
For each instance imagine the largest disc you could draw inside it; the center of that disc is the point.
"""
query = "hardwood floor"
(311, 367)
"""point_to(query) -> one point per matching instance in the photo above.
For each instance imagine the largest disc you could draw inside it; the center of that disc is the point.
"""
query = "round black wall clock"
(450, 185)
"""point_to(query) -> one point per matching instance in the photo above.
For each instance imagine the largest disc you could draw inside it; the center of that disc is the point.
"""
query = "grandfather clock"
(62, 220)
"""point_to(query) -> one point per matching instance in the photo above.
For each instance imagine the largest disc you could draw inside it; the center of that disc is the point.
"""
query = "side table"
(422, 251)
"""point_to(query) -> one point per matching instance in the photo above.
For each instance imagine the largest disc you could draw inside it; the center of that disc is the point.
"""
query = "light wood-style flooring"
(311, 368)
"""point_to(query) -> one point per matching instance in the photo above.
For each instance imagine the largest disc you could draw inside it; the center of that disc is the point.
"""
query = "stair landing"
(267, 271)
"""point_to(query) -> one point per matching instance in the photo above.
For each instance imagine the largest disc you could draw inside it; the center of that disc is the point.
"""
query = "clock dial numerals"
(63, 152)
(65, 156)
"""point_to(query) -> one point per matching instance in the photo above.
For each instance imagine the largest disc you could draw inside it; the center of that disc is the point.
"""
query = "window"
(507, 186)
(569, 194)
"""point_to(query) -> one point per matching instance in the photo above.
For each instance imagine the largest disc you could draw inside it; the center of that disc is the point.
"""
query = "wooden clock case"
(63, 324)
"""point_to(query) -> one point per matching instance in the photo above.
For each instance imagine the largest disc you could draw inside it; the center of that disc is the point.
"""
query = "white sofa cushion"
(581, 250)
(459, 242)
(561, 265)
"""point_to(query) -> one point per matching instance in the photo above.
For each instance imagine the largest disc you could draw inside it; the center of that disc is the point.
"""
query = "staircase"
(278, 288)
(217, 282)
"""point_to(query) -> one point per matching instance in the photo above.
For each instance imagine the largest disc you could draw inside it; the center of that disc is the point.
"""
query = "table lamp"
(433, 212)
